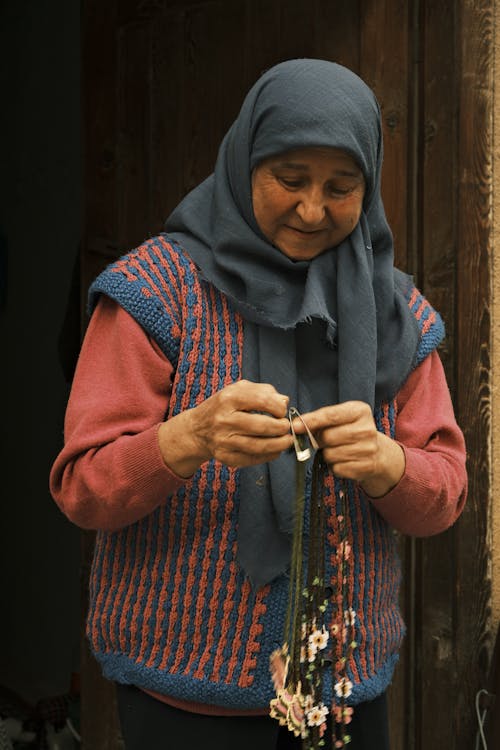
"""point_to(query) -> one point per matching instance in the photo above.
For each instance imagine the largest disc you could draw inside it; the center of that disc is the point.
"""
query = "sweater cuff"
(147, 472)
(398, 506)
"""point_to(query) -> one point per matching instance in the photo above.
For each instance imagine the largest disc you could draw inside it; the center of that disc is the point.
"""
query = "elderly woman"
(273, 287)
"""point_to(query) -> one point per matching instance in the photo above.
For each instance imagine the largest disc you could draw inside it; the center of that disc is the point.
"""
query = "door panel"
(163, 80)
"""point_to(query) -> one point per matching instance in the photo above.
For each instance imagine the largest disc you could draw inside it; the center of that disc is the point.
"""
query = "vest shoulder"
(428, 320)
(156, 258)
(149, 282)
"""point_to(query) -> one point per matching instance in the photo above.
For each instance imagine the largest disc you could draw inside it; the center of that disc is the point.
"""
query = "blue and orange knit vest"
(170, 610)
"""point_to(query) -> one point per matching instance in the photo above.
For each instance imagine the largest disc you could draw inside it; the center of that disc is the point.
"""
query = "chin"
(300, 253)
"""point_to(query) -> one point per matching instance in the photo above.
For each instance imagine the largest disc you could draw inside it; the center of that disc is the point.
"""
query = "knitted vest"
(170, 610)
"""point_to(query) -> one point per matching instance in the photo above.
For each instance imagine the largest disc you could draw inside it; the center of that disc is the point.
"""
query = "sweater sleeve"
(431, 494)
(110, 472)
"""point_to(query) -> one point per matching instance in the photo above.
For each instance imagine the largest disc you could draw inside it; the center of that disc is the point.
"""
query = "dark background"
(40, 224)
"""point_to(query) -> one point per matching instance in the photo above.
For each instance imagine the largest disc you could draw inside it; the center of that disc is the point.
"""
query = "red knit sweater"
(110, 472)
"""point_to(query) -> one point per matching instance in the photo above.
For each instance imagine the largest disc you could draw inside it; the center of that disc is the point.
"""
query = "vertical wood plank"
(438, 153)
(337, 27)
(384, 65)
(261, 37)
(435, 665)
(133, 128)
(99, 116)
(213, 79)
(472, 636)
(167, 119)
(99, 132)
(297, 30)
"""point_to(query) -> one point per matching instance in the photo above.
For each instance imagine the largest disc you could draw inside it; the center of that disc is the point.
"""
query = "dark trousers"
(149, 724)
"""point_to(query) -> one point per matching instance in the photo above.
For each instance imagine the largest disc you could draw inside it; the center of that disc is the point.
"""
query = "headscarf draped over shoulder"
(339, 321)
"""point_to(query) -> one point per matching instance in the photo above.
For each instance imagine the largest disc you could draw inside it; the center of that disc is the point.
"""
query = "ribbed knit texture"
(170, 610)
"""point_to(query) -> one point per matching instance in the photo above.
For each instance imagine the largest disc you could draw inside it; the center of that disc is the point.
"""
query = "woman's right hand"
(243, 424)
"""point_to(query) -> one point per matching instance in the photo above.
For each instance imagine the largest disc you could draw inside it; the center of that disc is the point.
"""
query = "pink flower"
(343, 714)
(279, 662)
(295, 717)
(344, 550)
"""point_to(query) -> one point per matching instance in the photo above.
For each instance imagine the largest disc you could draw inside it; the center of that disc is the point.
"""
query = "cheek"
(269, 206)
(348, 212)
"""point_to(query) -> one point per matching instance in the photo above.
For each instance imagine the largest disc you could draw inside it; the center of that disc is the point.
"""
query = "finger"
(350, 469)
(255, 446)
(242, 451)
(359, 453)
(362, 433)
(260, 397)
(259, 425)
(333, 415)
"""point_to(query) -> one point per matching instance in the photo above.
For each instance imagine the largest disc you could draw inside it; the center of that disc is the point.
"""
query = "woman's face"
(307, 200)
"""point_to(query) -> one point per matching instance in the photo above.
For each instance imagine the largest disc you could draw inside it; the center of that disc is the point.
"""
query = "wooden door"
(163, 80)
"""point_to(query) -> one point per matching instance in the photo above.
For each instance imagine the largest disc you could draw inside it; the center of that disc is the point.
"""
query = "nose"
(311, 207)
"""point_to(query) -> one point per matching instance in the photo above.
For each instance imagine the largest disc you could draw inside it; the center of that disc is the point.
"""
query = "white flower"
(343, 688)
(349, 616)
(311, 652)
(317, 715)
(319, 638)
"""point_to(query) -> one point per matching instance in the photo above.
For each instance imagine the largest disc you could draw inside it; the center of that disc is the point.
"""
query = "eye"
(290, 183)
(339, 191)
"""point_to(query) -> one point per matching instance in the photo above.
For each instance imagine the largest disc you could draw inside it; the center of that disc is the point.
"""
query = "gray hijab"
(323, 331)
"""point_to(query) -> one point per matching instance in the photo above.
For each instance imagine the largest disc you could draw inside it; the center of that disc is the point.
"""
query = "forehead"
(331, 160)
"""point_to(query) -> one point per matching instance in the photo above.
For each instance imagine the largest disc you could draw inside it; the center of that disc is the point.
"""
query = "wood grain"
(163, 80)
(472, 630)
(435, 661)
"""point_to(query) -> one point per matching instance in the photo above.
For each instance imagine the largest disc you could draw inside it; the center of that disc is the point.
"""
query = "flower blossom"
(343, 688)
(350, 616)
(344, 550)
(319, 638)
(317, 715)
(343, 714)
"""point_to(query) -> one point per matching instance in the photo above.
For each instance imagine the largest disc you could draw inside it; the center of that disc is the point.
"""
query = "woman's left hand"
(353, 446)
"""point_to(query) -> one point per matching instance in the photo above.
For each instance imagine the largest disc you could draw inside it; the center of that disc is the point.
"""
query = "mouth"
(305, 232)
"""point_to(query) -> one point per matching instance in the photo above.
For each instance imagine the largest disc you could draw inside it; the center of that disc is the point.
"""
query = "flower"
(288, 709)
(350, 616)
(343, 688)
(344, 550)
(295, 716)
(311, 652)
(343, 715)
(319, 638)
(278, 662)
(279, 706)
(316, 716)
